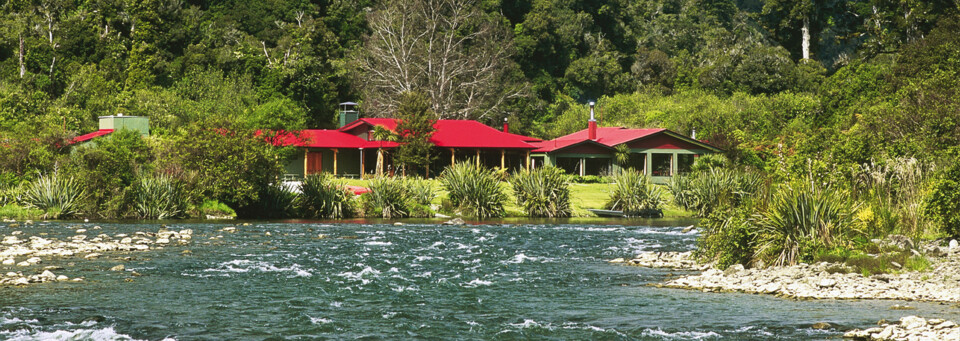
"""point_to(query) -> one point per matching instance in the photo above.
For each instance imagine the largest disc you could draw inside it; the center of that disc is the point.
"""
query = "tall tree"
(450, 50)
(414, 131)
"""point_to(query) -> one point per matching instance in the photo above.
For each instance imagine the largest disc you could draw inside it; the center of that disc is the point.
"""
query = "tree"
(414, 130)
(449, 50)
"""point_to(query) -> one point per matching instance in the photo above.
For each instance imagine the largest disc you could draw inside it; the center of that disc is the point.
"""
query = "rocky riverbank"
(813, 281)
(20, 253)
(909, 328)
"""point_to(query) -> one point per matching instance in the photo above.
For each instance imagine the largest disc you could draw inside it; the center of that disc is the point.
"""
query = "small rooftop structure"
(109, 124)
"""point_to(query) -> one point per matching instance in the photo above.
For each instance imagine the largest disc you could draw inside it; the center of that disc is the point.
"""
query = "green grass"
(582, 197)
(14, 211)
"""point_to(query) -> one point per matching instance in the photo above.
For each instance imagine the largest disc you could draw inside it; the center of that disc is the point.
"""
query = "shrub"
(474, 189)
(387, 197)
(727, 238)
(943, 202)
(704, 192)
(708, 162)
(635, 195)
(323, 197)
(14, 211)
(159, 197)
(894, 191)
(108, 171)
(274, 201)
(10, 194)
(419, 196)
(216, 208)
(800, 220)
(57, 195)
(543, 192)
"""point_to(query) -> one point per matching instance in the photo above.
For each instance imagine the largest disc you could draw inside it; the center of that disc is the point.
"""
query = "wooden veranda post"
(361, 163)
(453, 158)
(528, 160)
(478, 158)
(335, 152)
(503, 160)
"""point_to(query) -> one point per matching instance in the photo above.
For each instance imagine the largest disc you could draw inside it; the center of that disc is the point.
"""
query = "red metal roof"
(322, 138)
(91, 136)
(458, 134)
(607, 136)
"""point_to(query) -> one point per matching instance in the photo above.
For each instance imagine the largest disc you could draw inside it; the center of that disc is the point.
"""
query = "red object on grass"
(357, 190)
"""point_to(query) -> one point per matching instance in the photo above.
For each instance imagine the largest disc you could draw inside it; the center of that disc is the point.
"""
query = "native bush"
(108, 172)
(727, 238)
(159, 197)
(543, 192)
(893, 193)
(323, 197)
(276, 200)
(474, 190)
(58, 195)
(800, 220)
(708, 162)
(635, 195)
(399, 197)
(943, 202)
(419, 196)
(704, 192)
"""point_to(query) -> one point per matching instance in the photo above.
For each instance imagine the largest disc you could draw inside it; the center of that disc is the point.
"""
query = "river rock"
(117, 268)
(827, 283)
(92, 256)
(688, 229)
(954, 246)
(81, 231)
(821, 325)
(9, 261)
(733, 270)
(62, 278)
(48, 276)
(454, 221)
(229, 229)
(909, 328)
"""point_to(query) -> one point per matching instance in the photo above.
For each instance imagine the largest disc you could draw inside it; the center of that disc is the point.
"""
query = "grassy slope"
(582, 197)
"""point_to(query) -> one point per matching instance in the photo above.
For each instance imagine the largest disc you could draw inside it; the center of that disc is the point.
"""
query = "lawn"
(582, 197)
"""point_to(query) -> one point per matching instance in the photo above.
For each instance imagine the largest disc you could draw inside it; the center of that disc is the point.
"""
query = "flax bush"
(323, 197)
(159, 197)
(387, 198)
(635, 195)
(57, 195)
(801, 219)
(474, 190)
(706, 191)
(543, 192)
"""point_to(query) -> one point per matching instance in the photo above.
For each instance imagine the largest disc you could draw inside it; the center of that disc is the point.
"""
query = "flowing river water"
(417, 281)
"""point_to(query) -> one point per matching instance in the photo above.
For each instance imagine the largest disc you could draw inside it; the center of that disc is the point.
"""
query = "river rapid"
(321, 280)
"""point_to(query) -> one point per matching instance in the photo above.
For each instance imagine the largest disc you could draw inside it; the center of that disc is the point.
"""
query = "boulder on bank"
(909, 328)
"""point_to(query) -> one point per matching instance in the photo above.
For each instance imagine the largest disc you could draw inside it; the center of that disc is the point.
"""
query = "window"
(661, 164)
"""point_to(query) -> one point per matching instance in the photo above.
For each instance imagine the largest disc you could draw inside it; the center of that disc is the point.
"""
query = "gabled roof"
(457, 134)
(555, 145)
(323, 138)
(91, 136)
(611, 137)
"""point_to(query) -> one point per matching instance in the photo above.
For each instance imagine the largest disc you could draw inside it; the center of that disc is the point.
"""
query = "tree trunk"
(805, 35)
(23, 69)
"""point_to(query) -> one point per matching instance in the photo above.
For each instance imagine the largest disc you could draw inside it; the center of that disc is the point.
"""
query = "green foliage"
(323, 197)
(635, 195)
(707, 191)
(543, 192)
(474, 190)
(108, 171)
(709, 161)
(14, 211)
(943, 202)
(233, 166)
(58, 195)
(727, 238)
(159, 197)
(274, 201)
(802, 219)
(893, 194)
(414, 130)
(216, 208)
(398, 197)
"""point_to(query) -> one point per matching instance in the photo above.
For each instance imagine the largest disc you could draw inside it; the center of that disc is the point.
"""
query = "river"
(368, 281)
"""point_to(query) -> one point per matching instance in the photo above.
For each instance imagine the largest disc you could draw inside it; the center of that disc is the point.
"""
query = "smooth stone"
(454, 221)
(821, 325)
(62, 278)
(9, 261)
(117, 268)
(92, 256)
(81, 230)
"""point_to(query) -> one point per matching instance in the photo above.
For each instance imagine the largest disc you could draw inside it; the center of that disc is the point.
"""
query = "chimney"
(506, 126)
(693, 134)
(592, 124)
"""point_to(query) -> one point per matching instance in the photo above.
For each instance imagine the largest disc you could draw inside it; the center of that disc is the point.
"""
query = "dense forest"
(786, 87)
